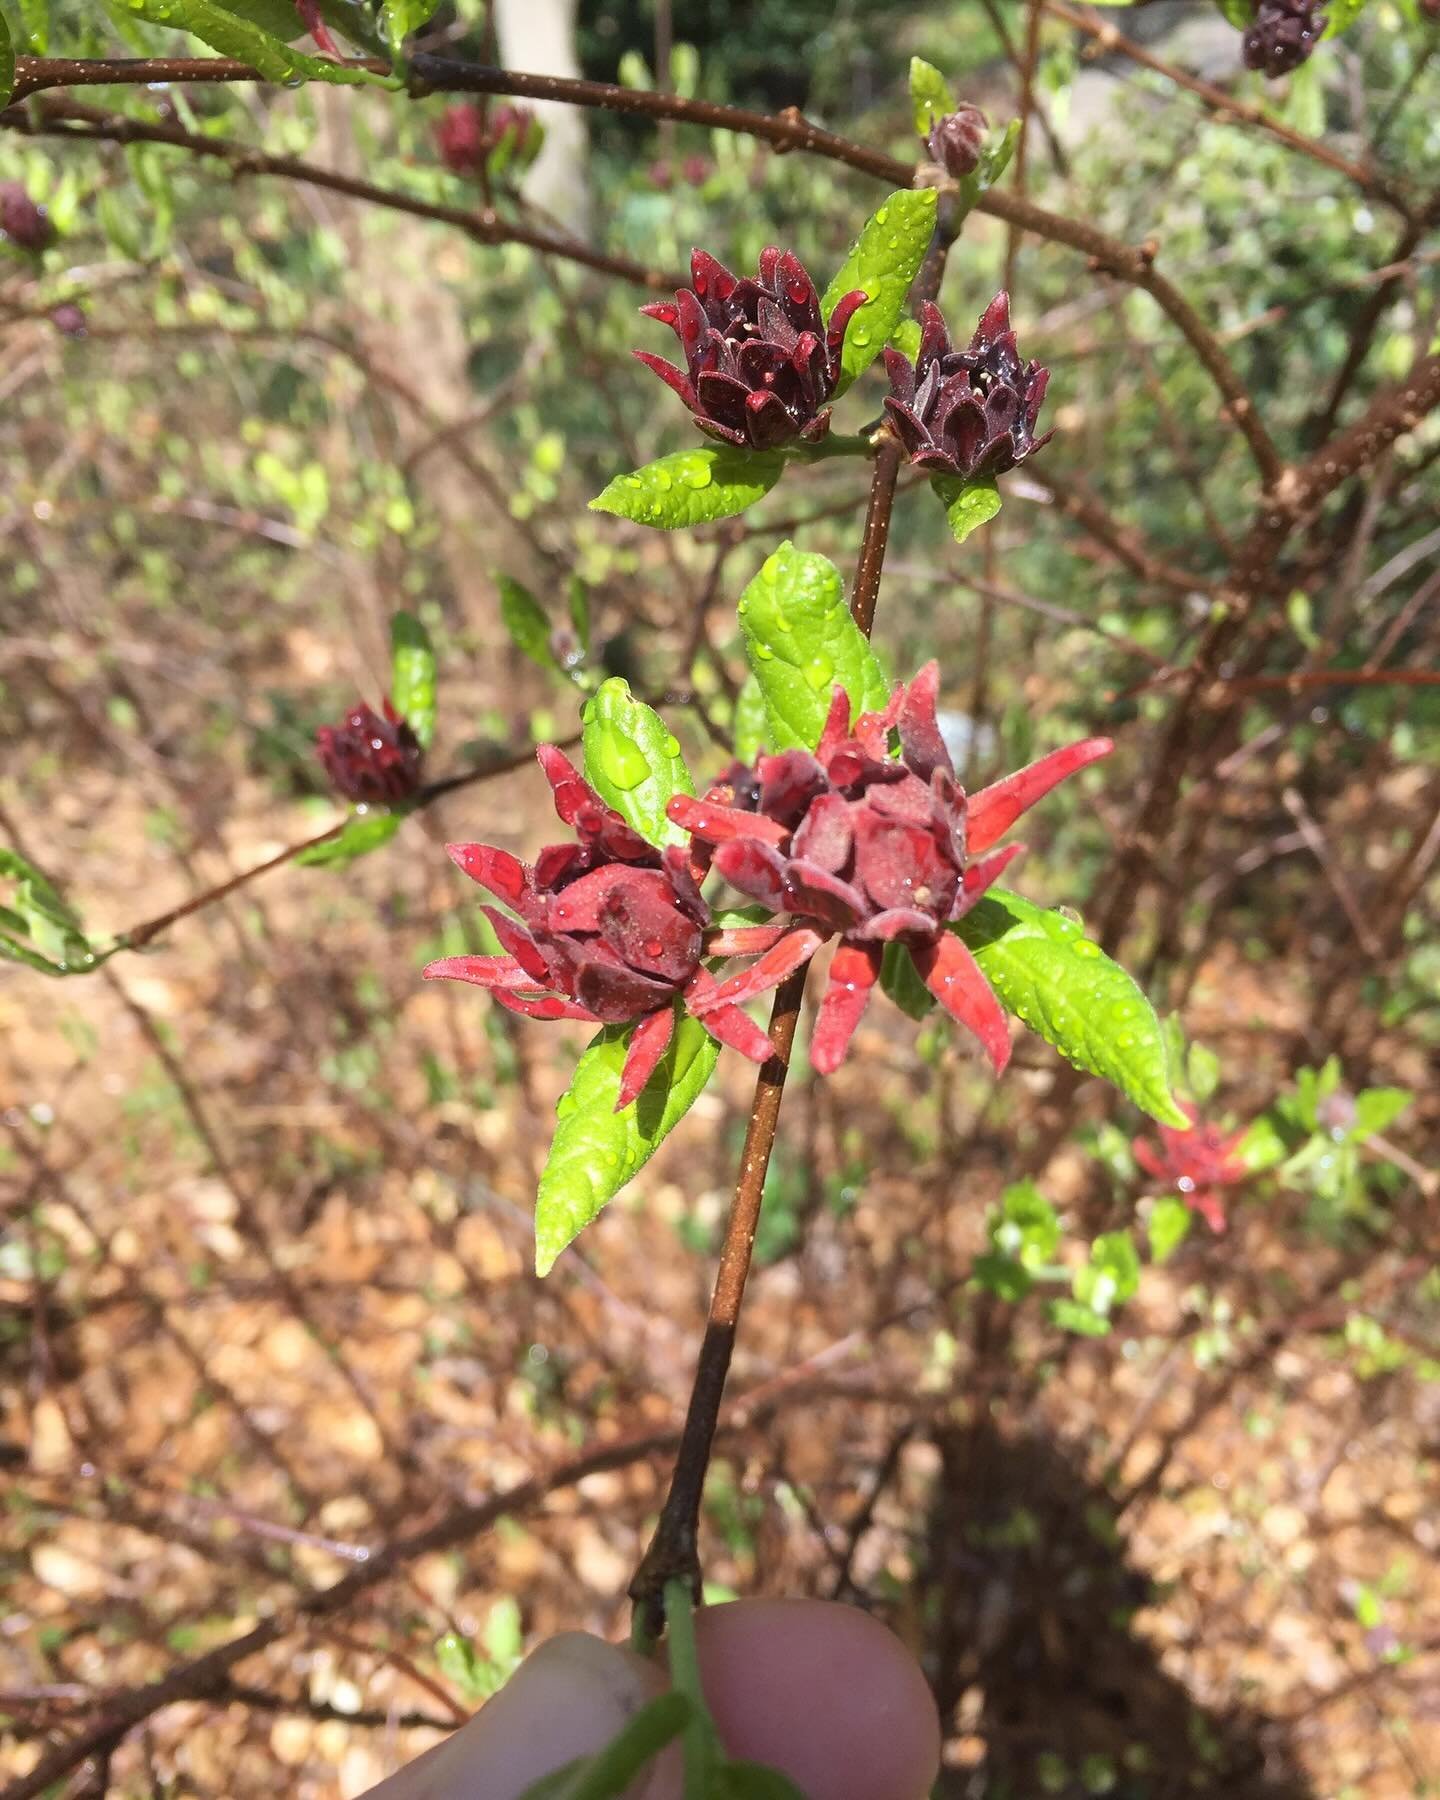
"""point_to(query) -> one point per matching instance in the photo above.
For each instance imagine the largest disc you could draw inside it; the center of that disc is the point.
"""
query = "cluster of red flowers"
(850, 842)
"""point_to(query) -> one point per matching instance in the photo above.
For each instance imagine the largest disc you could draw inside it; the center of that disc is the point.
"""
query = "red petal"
(837, 726)
(853, 974)
(783, 959)
(844, 310)
(743, 940)
(483, 971)
(670, 375)
(520, 945)
(719, 824)
(546, 1006)
(953, 976)
(920, 740)
(572, 791)
(982, 875)
(648, 1043)
(728, 1025)
(1207, 1204)
(995, 809)
(505, 875)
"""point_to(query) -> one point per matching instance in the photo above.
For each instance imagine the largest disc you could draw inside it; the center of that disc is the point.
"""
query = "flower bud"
(26, 225)
(955, 142)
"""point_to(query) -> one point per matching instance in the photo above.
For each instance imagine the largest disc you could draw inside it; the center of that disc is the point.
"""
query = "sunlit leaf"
(412, 675)
(691, 487)
(633, 761)
(883, 260)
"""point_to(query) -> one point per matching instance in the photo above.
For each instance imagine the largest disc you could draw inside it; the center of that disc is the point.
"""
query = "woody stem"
(673, 1554)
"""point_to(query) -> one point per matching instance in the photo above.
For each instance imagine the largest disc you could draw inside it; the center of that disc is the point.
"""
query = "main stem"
(674, 1553)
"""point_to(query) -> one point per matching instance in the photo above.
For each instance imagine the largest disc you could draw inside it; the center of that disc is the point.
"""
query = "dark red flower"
(1197, 1162)
(854, 841)
(611, 930)
(69, 319)
(955, 142)
(760, 363)
(967, 412)
(26, 225)
(461, 139)
(373, 761)
(1283, 35)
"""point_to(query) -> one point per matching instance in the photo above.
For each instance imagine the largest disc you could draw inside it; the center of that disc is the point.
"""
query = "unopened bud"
(955, 142)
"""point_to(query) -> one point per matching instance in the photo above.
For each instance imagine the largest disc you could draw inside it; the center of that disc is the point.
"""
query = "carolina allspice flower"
(1283, 35)
(955, 141)
(372, 760)
(967, 412)
(25, 224)
(1197, 1162)
(610, 930)
(466, 140)
(760, 362)
(851, 840)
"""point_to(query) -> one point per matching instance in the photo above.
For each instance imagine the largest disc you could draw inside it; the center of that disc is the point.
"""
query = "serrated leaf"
(750, 722)
(900, 980)
(883, 260)
(597, 1150)
(412, 676)
(930, 96)
(359, 836)
(1065, 988)
(37, 911)
(524, 618)
(7, 63)
(968, 504)
(800, 641)
(633, 760)
(692, 487)
(1167, 1227)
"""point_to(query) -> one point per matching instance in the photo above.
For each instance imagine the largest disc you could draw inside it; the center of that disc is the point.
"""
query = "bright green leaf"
(1239, 13)
(1025, 1226)
(35, 18)
(883, 260)
(1167, 1227)
(37, 911)
(1111, 1275)
(524, 618)
(1065, 988)
(1342, 14)
(800, 641)
(633, 761)
(1262, 1146)
(750, 722)
(358, 837)
(1202, 1073)
(900, 980)
(968, 504)
(930, 96)
(7, 63)
(597, 1150)
(1073, 1315)
(412, 675)
(691, 487)
(1376, 1108)
(1002, 1276)
(401, 17)
(579, 602)
(906, 339)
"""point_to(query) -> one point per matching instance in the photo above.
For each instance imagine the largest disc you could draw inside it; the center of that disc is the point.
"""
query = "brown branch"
(1121, 541)
(786, 131)
(1366, 175)
(57, 119)
(673, 1553)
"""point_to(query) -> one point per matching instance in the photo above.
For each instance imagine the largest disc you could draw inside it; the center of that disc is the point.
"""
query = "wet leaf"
(633, 761)
(883, 260)
(691, 487)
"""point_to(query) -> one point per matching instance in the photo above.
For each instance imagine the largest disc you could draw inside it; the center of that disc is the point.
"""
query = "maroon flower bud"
(1197, 1162)
(373, 761)
(851, 840)
(24, 223)
(461, 140)
(1283, 35)
(967, 412)
(611, 930)
(760, 362)
(695, 170)
(955, 142)
(660, 177)
(514, 122)
(69, 319)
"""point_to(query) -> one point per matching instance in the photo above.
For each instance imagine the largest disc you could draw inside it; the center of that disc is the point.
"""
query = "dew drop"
(819, 672)
(782, 623)
(695, 474)
(764, 652)
(861, 336)
(633, 481)
(661, 478)
(672, 745)
(622, 762)
(882, 215)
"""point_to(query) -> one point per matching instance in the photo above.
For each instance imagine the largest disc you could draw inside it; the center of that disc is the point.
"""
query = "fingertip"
(825, 1693)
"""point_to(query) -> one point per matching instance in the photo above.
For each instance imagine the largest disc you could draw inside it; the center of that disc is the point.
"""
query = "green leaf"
(633, 761)
(1111, 1275)
(1238, 13)
(930, 96)
(1065, 988)
(906, 338)
(1304, 108)
(1003, 1277)
(968, 504)
(691, 487)
(1202, 1073)
(1167, 1227)
(412, 675)
(1342, 15)
(1262, 1146)
(401, 17)
(524, 618)
(38, 912)
(1072, 1315)
(7, 63)
(883, 260)
(610, 1773)
(1376, 1108)
(580, 612)
(223, 29)
(35, 17)
(358, 837)
(900, 980)
(597, 1150)
(1024, 1227)
(750, 720)
(751, 1781)
(800, 641)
